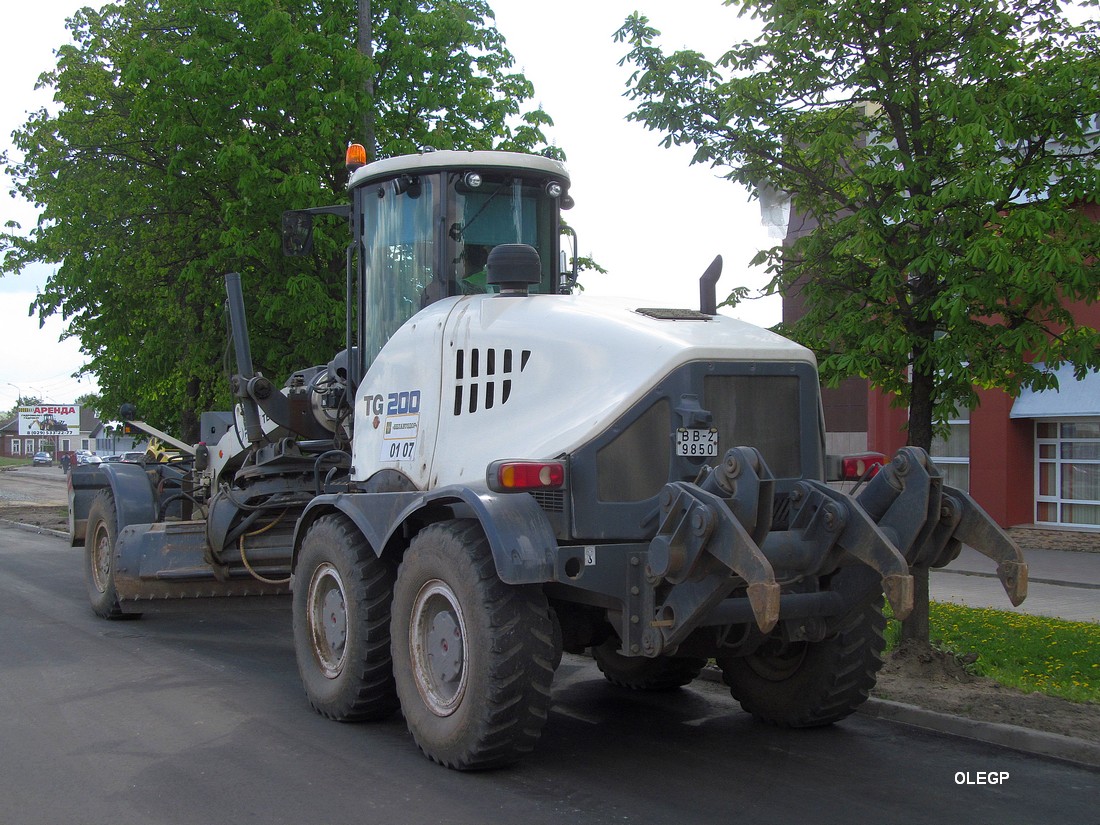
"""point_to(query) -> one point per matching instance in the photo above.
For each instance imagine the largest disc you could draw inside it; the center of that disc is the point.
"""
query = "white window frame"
(963, 417)
(1056, 499)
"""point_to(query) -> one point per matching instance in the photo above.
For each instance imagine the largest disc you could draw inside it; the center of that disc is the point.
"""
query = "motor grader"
(494, 471)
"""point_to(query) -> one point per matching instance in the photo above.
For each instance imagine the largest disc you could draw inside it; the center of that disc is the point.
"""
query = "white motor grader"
(495, 471)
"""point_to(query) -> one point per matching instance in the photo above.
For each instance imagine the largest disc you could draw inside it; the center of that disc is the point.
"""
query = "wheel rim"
(328, 620)
(101, 557)
(777, 660)
(437, 641)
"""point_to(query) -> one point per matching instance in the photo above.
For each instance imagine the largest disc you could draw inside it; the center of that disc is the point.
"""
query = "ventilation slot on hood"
(483, 377)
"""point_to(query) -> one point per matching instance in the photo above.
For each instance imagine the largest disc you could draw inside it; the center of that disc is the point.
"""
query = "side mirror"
(297, 233)
(568, 275)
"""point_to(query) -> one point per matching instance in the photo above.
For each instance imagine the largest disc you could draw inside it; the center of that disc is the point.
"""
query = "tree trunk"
(921, 402)
(189, 416)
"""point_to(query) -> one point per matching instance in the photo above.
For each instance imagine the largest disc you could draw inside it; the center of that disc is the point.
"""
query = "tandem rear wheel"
(341, 621)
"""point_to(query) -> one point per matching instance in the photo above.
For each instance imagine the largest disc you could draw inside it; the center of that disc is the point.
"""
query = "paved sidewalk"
(1062, 584)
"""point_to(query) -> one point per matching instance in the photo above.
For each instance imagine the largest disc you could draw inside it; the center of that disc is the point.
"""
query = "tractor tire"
(473, 657)
(341, 620)
(811, 684)
(99, 558)
(640, 673)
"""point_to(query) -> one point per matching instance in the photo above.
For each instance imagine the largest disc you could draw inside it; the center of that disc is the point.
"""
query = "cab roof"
(451, 159)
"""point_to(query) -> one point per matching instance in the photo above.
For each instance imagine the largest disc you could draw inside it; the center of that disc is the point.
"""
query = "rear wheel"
(641, 673)
(473, 657)
(341, 618)
(99, 558)
(810, 684)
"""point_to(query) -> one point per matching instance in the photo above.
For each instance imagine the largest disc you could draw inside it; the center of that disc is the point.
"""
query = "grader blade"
(164, 566)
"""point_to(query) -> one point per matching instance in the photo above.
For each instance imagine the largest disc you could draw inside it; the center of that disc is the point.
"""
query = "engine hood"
(536, 377)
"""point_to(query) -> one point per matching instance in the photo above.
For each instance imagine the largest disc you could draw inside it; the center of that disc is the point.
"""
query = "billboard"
(49, 419)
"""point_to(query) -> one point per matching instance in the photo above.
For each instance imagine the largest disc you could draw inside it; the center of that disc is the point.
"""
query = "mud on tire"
(803, 684)
(473, 657)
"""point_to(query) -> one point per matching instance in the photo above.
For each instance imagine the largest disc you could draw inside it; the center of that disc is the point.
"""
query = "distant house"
(14, 445)
(108, 439)
(9, 428)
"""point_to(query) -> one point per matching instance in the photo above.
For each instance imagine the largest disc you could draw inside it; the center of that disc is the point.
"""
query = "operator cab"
(424, 226)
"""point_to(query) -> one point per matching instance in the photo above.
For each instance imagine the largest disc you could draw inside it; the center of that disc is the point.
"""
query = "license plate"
(697, 442)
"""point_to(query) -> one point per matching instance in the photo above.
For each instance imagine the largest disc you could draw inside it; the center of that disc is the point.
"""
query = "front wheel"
(99, 558)
(341, 618)
(811, 684)
(641, 673)
(473, 657)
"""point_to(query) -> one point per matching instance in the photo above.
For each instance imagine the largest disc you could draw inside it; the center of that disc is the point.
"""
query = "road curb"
(1037, 743)
(1026, 740)
(1030, 579)
(34, 528)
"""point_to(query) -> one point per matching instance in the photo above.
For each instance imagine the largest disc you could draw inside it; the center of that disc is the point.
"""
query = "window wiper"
(458, 230)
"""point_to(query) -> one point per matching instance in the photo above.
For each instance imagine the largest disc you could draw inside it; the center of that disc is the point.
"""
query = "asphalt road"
(200, 718)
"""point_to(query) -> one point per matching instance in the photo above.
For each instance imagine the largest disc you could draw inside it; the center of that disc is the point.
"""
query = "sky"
(642, 211)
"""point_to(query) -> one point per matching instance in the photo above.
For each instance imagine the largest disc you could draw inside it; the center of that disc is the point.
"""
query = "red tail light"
(860, 465)
(521, 476)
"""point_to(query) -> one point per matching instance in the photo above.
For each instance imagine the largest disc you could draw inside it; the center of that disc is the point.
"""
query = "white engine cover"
(475, 379)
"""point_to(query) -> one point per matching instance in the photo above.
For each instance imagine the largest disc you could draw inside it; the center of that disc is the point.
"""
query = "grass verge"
(1029, 653)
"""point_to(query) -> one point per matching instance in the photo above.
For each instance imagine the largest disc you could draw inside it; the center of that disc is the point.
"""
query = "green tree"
(20, 401)
(93, 401)
(942, 151)
(180, 133)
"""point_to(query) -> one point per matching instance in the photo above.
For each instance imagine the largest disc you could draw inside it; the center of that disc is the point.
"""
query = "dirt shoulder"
(940, 682)
(926, 678)
(53, 517)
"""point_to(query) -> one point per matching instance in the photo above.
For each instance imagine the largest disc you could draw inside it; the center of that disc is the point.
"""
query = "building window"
(16, 447)
(1067, 472)
(952, 454)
